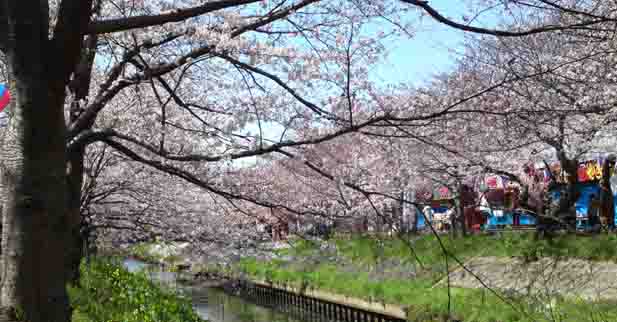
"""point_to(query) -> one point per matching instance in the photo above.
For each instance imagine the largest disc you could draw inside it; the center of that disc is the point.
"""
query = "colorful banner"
(493, 182)
(5, 97)
(590, 170)
(442, 193)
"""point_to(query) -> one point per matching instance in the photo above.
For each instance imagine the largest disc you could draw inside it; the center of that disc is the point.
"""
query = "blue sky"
(411, 60)
(414, 60)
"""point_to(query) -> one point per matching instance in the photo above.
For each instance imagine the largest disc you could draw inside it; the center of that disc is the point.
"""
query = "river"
(215, 305)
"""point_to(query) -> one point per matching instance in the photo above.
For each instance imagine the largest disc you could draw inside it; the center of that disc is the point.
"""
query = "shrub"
(108, 293)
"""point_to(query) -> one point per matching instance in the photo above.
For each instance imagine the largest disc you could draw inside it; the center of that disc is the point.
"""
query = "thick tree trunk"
(402, 222)
(35, 226)
(75, 174)
(562, 213)
(459, 215)
(414, 216)
(36, 229)
(80, 87)
(606, 195)
(570, 167)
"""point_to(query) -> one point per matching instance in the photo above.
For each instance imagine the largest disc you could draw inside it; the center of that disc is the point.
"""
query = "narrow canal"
(215, 305)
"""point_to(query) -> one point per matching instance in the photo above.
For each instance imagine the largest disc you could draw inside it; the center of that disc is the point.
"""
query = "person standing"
(428, 215)
(593, 213)
(613, 187)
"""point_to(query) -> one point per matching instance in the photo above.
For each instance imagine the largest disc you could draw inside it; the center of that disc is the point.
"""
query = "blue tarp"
(583, 201)
(439, 210)
(506, 219)
(526, 220)
(421, 221)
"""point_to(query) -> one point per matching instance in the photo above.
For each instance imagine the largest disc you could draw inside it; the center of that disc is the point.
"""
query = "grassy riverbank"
(388, 271)
(108, 292)
(508, 244)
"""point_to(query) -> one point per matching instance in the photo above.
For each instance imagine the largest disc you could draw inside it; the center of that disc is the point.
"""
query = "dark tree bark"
(75, 174)
(414, 216)
(561, 214)
(79, 87)
(36, 231)
(607, 194)
(402, 221)
(460, 210)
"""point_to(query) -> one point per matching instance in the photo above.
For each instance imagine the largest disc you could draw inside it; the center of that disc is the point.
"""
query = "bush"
(108, 293)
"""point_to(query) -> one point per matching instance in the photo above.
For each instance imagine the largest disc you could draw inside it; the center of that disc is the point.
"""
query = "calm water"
(215, 305)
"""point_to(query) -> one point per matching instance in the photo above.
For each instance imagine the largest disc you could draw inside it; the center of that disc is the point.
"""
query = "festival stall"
(443, 205)
(438, 207)
(499, 202)
(492, 202)
(588, 206)
(474, 220)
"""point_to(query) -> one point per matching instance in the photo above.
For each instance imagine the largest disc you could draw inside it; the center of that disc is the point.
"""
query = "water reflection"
(224, 308)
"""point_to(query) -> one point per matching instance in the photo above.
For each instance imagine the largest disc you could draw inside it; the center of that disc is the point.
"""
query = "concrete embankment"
(360, 304)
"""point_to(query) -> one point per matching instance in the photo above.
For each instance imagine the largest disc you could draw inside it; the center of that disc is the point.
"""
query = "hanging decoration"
(587, 171)
(442, 193)
(5, 97)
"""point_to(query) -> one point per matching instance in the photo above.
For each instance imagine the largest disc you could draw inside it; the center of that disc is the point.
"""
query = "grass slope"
(374, 269)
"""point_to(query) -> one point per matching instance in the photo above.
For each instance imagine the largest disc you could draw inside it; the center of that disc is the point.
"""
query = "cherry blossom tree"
(167, 85)
(174, 85)
(556, 104)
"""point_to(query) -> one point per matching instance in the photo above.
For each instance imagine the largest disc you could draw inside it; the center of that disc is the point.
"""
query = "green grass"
(425, 301)
(367, 250)
(108, 292)
(425, 256)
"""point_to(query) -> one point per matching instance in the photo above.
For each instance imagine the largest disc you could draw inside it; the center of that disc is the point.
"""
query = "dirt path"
(572, 278)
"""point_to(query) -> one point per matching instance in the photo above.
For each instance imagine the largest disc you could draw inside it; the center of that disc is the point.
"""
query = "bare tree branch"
(111, 87)
(93, 136)
(123, 24)
(87, 118)
(4, 27)
(73, 17)
(188, 177)
(424, 5)
(277, 80)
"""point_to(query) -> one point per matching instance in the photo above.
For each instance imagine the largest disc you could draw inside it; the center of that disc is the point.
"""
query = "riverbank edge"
(357, 303)
(222, 281)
